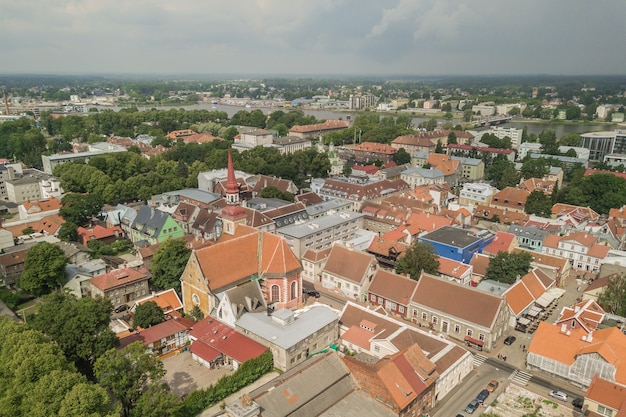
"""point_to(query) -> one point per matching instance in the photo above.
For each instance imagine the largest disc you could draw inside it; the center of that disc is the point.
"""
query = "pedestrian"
(504, 357)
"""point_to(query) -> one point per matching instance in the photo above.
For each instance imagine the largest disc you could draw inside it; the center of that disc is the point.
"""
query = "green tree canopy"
(128, 373)
(148, 314)
(538, 203)
(599, 191)
(419, 257)
(68, 232)
(507, 267)
(613, 297)
(273, 192)
(534, 168)
(168, 263)
(79, 208)
(80, 327)
(44, 269)
(401, 157)
(37, 380)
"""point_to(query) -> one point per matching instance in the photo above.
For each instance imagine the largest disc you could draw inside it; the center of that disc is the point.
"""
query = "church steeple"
(233, 213)
(232, 188)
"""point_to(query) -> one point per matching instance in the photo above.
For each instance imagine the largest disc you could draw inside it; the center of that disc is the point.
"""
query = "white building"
(474, 194)
(514, 134)
(526, 148)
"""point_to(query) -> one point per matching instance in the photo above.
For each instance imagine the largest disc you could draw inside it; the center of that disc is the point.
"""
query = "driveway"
(185, 375)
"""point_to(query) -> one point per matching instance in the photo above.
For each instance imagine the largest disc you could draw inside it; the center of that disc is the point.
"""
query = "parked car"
(472, 406)
(509, 340)
(121, 308)
(578, 402)
(482, 396)
(493, 385)
(311, 292)
(559, 395)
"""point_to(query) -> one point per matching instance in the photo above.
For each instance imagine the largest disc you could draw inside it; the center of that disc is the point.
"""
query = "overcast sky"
(360, 37)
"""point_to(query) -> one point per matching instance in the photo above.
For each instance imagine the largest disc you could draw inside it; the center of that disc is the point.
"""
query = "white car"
(558, 395)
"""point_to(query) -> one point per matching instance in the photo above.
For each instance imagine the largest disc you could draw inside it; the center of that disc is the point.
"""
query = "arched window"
(294, 290)
(275, 292)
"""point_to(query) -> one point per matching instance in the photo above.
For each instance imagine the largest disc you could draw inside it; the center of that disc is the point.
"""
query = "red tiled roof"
(226, 340)
(119, 278)
(500, 243)
(164, 329)
(328, 125)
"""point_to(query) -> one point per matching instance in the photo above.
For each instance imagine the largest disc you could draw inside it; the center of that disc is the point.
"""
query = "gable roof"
(393, 287)
(349, 264)
(529, 288)
(99, 232)
(608, 394)
(587, 313)
(479, 263)
(167, 300)
(452, 268)
(248, 253)
(150, 218)
(119, 278)
(501, 243)
(457, 300)
(162, 330)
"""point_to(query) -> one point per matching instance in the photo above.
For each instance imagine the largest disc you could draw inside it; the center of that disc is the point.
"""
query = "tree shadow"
(182, 383)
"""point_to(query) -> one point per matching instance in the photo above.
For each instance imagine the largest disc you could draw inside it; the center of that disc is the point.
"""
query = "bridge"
(490, 121)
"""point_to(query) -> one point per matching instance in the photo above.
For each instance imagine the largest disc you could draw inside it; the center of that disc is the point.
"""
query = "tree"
(468, 114)
(419, 257)
(148, 314)
(79, 326)
(534, 168)
(401, 157)
(273, 192)
(196, 313)
(452, 138)
(128, 373)
(44, 269)
(157, 401)
(508, 267)
(68, 232)
(613, 297)
(439, 147)
(538, 204)
(169, 262)
(79, 208)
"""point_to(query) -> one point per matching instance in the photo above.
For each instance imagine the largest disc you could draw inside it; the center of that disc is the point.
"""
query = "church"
(258, 266)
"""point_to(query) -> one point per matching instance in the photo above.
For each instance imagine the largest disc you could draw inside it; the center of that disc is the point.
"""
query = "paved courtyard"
(185, 375)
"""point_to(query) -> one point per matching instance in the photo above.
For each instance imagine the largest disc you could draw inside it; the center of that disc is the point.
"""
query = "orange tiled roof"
(167, 300)
(43, 205)
(610, 343)
(452, 268)
(246, 254)
(608, 394)
(501, 243)
(375, 147)
(328, 125)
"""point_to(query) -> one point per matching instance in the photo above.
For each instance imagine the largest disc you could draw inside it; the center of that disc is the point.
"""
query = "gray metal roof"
(286, 336)
(195, 194)
(335, 203)
(467, 161)
(318, 224)
(426, 173)
(531, 232)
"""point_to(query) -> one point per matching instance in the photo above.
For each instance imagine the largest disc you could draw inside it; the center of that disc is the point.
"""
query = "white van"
(558, 395)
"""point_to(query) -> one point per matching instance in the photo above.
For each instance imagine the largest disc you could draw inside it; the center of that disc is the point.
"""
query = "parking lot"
(185, 375)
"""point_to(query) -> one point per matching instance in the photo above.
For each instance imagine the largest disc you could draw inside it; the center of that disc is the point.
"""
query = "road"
(456, 401)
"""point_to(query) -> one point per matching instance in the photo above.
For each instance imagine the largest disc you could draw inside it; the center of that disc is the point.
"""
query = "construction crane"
(6, 101)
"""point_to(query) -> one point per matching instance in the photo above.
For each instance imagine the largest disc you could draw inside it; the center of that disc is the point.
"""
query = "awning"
(523, 321)
(474, 341)
(533, 311)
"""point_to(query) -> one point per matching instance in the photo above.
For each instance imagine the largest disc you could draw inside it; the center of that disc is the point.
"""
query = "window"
(401, 309)
(435, 320)
(470, 332)
(481, 337)
(275, 293)
(391, 305)
(294, 290)
(372, 298)
(605, 411)
(414, 313)
(424, 315)
(457, 328)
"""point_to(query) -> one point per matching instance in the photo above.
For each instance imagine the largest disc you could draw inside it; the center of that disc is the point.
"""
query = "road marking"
(479, 360)
(520, 377)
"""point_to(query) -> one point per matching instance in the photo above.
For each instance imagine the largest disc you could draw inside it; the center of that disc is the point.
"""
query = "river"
(560, 128)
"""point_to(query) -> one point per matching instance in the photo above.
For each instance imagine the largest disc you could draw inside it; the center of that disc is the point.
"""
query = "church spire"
(233, 212)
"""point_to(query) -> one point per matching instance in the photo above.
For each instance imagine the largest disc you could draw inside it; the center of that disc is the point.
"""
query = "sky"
(325, 37)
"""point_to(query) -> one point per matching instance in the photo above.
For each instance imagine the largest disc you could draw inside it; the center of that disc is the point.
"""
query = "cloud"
(323, 36)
